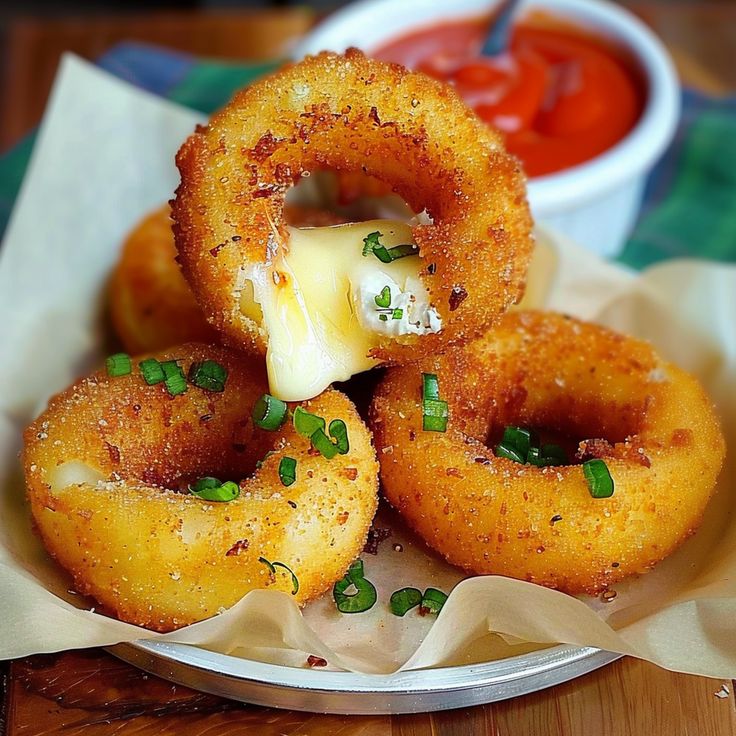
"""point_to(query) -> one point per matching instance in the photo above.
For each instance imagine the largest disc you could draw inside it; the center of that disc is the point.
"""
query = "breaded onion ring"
(353, 114)
(651, 423)
(151, 304)
(102, 463)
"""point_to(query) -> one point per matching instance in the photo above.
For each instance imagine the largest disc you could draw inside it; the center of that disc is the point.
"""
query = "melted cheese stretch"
(315, 299)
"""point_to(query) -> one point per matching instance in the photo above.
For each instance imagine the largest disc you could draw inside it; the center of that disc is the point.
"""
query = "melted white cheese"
(316, 300)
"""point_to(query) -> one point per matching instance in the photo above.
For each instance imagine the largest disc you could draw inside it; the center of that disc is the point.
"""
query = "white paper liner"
(103, 158)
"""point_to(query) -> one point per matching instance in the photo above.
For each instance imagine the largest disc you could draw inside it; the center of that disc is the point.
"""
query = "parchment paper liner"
(104, 157)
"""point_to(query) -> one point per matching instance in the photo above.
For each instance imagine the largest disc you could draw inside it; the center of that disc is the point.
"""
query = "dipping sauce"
(558, 95)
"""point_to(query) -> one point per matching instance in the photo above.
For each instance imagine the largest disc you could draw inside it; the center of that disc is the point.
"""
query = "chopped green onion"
(209, 375)
(534, 457)
(510, 453)
(269, 412)
(339, 432)
(364, 597)
(433, 600)
(118, 365)
(287, 471)
(272, 569)
(307, 424)
(152, 371)
(430, 386)
(383, 317)
(404, 600)
(520, 438)
(554, 455)
(384, 298)
(321, 442)
(598, 477)
(175, 381)
(434, 415)
(211, 489)
(372, 244)
(397, 314)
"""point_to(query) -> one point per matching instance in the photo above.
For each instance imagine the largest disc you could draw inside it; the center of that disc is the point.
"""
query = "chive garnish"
(174, 379)
(152, 371)
(384, 298)
(208, 375)
(320, 441)
(269, 412)
(432, 601)
(372, 244)
(287, 471)
(307, 424)
(598, 477)
(364, 597)
(212, 489)
(434, 411)
(521, 445)
(383, 317)
(272, 569)
(404, 600)
(118, 365)
(339, 432)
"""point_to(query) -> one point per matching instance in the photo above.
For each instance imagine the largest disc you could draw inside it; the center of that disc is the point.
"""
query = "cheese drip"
(316, 300)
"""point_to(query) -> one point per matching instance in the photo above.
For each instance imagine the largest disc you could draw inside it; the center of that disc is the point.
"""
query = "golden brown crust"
(161, 558)
(151, 304)
(486, 514)
(354, 114)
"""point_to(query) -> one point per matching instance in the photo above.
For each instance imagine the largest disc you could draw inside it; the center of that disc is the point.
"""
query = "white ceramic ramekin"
(595, 203)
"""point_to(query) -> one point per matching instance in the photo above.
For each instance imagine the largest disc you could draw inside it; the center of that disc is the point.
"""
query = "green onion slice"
(434, 415)
(152, 371)
(372, 244)
(272, 569)
(510, 453)
(554, 455)
(384, 298)
(307, 424)
(287, 471)
(520, 438)
(404, 600)
(598, 477)
(339, 432)
(320, 441)
(211, 489)
(534, 457)
(364, 597)
(174, 379)
(208, 375)
(118, 365)
(269, 412)
(433, 600)
(430, 386)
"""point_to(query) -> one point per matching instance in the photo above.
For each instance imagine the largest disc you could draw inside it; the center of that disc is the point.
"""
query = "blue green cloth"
(689, 206)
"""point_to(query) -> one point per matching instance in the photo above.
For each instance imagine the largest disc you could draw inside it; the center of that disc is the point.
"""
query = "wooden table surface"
(92, 693)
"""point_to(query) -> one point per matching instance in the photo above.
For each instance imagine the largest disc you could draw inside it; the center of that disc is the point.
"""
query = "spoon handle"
(499, 31)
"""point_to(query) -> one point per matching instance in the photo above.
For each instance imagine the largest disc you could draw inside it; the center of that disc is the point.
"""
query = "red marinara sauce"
(558, 95)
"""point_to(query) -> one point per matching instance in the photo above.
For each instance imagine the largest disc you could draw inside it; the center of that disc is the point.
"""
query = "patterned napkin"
(689, 207)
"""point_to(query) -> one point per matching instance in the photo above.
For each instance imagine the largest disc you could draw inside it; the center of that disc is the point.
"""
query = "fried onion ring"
(107, 467)
(151, 304)
(650, 422)
(352, 114)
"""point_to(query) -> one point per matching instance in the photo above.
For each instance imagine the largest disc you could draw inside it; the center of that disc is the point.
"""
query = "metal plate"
(350, 693)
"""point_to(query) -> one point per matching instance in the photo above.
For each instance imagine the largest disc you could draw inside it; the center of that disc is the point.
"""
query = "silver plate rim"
(322, 691)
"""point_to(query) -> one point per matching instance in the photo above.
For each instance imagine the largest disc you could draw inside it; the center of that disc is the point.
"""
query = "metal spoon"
(497, 37)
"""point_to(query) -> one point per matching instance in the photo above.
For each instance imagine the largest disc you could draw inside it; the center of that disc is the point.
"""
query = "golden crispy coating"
(353, 114)
(151, 304)
(107, 466)
(651, 423)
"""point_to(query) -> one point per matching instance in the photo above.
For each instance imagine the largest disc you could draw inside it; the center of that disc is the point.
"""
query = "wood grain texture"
(93, 694)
